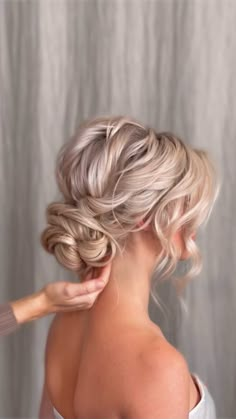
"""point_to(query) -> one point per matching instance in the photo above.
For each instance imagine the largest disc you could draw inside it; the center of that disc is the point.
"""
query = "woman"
(52, 298)
(135, 198)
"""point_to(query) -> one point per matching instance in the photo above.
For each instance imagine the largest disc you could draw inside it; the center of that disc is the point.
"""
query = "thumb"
(72, 289)
(104, 274)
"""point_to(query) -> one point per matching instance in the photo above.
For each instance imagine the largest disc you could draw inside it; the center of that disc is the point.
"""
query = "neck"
(128, 289)
(124, 293)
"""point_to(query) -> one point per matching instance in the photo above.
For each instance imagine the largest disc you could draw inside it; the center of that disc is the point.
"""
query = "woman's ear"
(140, 224)
(179, 241)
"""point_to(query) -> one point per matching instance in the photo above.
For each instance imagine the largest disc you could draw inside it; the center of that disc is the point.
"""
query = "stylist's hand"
(68, 296)
(61, 296)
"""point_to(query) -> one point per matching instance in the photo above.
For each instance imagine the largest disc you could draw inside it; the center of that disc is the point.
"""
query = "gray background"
(169, 63)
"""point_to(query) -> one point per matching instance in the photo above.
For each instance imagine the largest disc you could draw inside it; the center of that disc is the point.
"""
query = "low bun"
(76, 240)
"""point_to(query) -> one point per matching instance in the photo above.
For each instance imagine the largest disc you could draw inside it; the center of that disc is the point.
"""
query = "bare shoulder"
(159, 386)
(59, 324)
(52, 331)
(53, 328)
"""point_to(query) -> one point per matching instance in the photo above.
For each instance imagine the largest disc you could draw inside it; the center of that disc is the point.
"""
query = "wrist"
(41, 304)
(31, 307)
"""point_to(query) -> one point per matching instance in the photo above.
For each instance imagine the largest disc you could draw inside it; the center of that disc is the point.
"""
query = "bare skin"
(116, 331)
(60, 296)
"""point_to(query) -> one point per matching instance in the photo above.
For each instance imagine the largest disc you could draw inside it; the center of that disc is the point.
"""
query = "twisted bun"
(75, 239)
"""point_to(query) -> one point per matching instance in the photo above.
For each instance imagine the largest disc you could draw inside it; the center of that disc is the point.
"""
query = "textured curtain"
(169, 63)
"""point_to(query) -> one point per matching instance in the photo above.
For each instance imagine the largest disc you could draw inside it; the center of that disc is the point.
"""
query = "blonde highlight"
(115, 172)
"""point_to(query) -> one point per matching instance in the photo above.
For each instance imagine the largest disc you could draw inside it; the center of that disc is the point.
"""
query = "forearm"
(30, 308)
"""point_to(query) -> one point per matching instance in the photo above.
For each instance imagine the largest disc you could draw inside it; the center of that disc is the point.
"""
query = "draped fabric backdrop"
(169, 63)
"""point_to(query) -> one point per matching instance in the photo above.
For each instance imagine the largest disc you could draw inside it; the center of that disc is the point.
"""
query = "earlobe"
(177, 238)
(141, 223)
(179, 243)
(194, 236)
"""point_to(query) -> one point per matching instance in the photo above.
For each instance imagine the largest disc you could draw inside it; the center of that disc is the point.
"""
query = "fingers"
(105, 272)
(73, 290)
(83, 302)
(102, 277)
(89, 285)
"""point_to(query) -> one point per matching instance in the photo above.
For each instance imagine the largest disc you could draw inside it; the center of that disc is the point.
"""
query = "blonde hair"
(115, 172)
